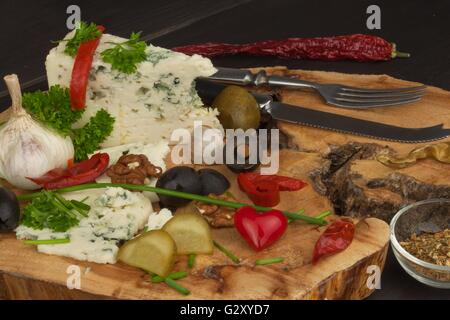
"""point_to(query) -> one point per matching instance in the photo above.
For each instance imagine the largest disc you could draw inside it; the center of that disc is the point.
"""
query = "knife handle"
(247, 78)
(236, 76)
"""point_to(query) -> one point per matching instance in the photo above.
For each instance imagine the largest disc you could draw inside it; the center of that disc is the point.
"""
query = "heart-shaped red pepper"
(260, 230)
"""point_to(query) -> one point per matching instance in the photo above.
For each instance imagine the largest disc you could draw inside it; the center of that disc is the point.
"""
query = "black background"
(417, 26)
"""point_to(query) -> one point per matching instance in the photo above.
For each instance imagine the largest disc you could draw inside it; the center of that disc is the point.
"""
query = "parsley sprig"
(51, 210)
(83, 33)
(125, 56)
(88, 138)
(52, 108)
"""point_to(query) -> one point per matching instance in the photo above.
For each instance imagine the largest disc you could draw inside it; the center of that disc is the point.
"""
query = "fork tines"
(367, 98)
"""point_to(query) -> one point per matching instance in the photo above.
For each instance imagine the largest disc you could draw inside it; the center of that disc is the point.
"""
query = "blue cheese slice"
(157, 220)
(116, 215)
(148, 104)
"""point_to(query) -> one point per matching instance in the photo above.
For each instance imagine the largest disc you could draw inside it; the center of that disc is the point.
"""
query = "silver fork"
(334, 94)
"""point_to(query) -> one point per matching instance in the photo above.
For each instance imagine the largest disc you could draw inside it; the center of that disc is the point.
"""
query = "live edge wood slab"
(341, 171)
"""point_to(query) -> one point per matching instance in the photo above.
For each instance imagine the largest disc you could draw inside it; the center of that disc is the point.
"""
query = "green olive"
(237, 108)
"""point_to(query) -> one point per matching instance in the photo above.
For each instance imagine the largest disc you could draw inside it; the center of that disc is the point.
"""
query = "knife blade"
(330, 121)
(335, 122)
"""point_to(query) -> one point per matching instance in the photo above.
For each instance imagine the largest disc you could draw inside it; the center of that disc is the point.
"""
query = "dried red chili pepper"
(264, 190)
(80, 71)
(358, 47)
(82, 172)
(336, 238)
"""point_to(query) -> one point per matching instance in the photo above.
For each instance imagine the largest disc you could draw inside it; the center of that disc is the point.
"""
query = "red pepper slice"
(264, 190)
(52, 175)
(284, 183)
(261, 193)
(82, 172)
(336, 238)
(86, 165)
(80, 72)
(264, 194)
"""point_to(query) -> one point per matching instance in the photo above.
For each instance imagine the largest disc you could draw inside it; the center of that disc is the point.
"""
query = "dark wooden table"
(418, 26)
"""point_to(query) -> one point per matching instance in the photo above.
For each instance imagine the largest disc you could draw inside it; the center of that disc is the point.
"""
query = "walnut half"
(133, 169)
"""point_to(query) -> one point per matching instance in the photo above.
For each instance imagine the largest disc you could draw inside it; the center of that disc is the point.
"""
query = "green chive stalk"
(173, 276)
(178, 194)
(227, 252)
(262, 262)
(174, 285)
(47, 241)
(323, 214)
(191, 261)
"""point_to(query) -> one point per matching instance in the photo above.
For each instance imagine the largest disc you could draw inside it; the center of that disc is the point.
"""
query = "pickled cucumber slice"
(190, 231)
(154, 251)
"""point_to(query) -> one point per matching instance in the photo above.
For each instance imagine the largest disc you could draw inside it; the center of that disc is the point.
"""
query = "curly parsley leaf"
(50, 210)
(88, 138)
(125, 56)
(83, 33)
(52, 108)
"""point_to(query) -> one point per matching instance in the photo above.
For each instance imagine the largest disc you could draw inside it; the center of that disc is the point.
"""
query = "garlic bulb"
(27, 148)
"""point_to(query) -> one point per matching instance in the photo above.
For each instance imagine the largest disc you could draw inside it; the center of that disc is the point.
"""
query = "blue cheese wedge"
(116, 215)
(148, 104)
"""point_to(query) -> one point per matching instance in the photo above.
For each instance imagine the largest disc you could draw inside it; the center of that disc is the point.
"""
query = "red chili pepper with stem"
(336, 238)
(82, 172)
(80, 72)
(357, 47)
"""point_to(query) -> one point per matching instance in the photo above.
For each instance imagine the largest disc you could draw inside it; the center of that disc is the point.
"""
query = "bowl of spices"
(420, 239)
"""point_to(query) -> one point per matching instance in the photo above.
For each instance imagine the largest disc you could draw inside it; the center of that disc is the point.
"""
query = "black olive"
(9, 210)
(180, 178)
(237, 166)
(213, 182)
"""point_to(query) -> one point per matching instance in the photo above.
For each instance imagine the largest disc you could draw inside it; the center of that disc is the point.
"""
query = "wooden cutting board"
(355, 182)
(313, 155)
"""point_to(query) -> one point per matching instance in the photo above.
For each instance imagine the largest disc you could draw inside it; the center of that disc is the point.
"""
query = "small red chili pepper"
(264, 190)
(336, 238)
(80, 72)
(358, 47)
(260, 230)
(82, 172)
